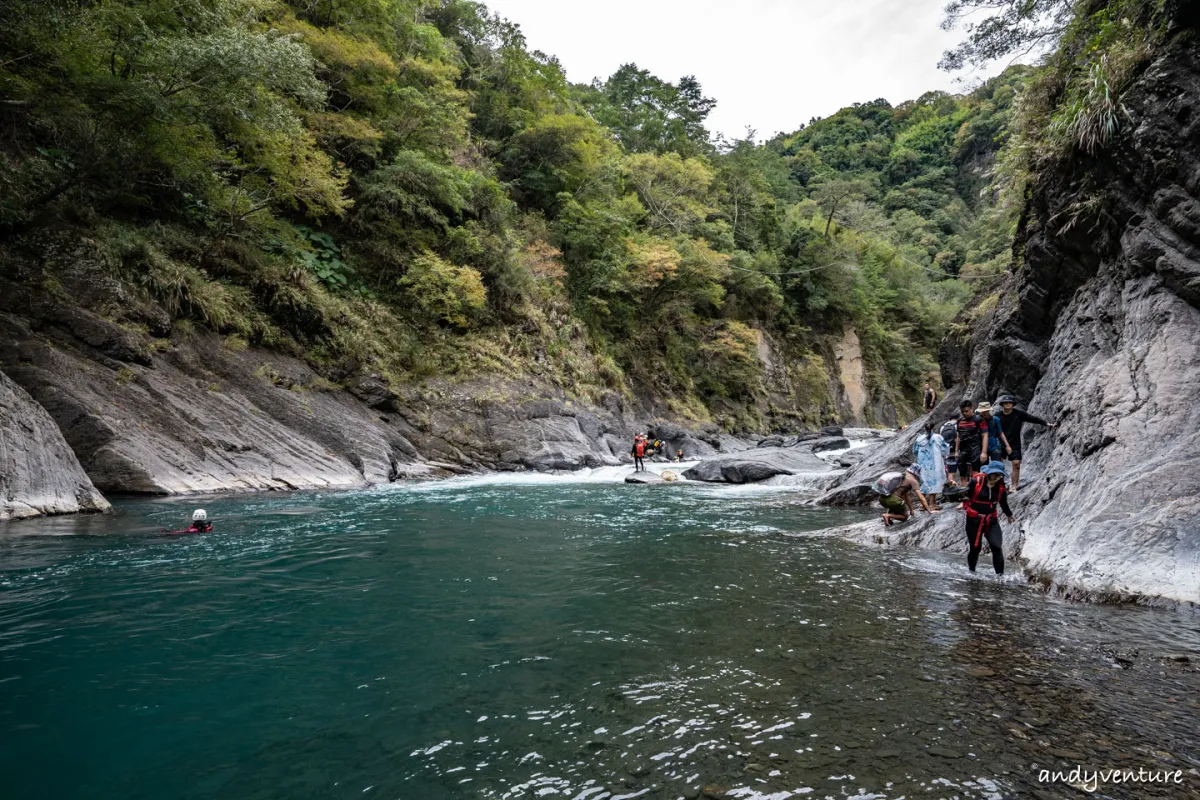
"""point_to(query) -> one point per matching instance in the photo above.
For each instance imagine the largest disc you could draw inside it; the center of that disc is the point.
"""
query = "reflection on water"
(556, 638)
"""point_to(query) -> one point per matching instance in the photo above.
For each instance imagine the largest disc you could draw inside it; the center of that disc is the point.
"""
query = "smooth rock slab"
(646, 478)
(39, 473)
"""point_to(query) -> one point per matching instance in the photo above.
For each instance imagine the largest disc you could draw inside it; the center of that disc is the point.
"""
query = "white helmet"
(199, 515)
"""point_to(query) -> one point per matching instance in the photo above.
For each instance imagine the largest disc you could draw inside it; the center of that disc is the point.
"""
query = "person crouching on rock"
(639, 453)
(900, 489)
(200, 523)
(679, 455)
(985, 492)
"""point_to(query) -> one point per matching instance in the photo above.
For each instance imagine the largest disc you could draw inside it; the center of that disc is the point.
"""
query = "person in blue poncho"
(930, 451)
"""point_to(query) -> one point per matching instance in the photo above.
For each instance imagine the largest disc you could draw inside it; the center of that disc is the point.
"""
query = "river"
(558, 637)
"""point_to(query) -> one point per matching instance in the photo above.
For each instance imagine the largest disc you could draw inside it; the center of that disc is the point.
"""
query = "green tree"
(650, 115)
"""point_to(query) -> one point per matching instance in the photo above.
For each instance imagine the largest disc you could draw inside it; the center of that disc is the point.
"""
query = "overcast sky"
(771, 64)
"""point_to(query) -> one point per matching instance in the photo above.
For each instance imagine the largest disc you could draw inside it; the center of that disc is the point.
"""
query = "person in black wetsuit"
(985, 492)
(970, 441)
(1012, 419)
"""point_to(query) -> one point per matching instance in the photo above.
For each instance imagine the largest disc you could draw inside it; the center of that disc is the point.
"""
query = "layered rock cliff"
(1099, 329)
(162, 409)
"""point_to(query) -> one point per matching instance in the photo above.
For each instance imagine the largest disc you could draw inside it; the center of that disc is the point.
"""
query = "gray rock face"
(203, 418)
(39, 473)
(507, 425)
(756, 465)
(644, 478)
(1100, 330)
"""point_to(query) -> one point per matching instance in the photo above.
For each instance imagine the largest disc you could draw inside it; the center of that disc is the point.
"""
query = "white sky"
(770, 64)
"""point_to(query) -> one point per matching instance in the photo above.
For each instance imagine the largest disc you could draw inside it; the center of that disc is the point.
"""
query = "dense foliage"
(402, 186)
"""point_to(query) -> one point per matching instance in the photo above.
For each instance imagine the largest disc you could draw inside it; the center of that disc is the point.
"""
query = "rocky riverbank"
(88, 407)
(1099, 330)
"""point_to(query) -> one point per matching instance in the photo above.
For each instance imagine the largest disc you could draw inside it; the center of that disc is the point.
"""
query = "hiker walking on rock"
(1012, 419)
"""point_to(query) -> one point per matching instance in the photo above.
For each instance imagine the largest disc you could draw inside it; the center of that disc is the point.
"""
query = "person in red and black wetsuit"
(986, 498)
(640, 443)
(971, 439)
(200, 523)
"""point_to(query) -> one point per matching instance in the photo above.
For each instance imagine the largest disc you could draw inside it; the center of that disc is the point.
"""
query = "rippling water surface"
(557, 638)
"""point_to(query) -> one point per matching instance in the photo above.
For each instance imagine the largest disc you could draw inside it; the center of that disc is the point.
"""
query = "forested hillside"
(402, 187)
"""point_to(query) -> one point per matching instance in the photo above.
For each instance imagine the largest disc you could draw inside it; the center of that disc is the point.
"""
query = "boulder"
(644, 478)
(39, 473)
(756, 465)
(829, 443)
(850, 494)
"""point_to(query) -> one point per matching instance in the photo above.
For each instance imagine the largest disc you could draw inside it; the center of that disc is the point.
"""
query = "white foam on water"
(615, 474)
(595, 475)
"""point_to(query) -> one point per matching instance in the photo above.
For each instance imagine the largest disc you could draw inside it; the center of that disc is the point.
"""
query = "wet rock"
(756, 465)
(829, 443)
(39, 474)
(854, 494)
(644, 478)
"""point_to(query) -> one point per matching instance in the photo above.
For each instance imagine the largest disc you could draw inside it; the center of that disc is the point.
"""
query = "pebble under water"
(559, 637)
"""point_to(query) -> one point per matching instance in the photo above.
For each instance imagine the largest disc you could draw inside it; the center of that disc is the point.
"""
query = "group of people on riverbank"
(644, 448)
(973, 466)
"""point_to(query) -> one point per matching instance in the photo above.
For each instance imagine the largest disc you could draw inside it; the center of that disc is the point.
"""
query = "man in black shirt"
(930, 398)
(1012, 419)
(970, 441)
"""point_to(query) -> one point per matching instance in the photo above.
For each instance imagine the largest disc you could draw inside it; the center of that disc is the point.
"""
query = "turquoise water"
(555, 638)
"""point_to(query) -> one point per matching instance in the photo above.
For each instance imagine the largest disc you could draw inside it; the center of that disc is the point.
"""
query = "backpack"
(949, 430)
(887, 483)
